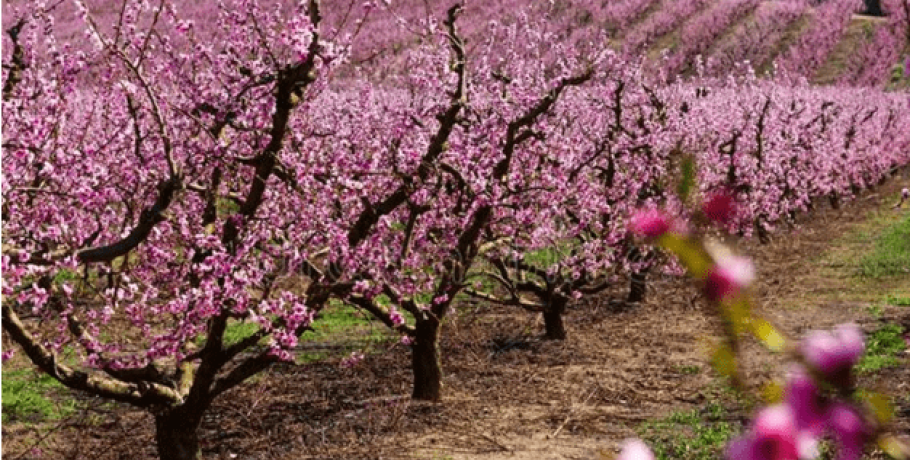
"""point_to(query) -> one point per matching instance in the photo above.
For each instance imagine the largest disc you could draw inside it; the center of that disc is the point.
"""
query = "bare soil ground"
(511, 395)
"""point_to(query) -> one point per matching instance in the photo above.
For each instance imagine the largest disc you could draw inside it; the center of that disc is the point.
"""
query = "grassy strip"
(699, 434)
(883, 349)
(890, 255)
(31, 397)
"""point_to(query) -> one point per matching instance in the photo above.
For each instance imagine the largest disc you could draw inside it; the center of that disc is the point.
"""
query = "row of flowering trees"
(161, 186)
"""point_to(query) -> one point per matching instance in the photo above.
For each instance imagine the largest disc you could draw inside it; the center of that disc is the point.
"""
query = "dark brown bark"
(638, 286)
(873, 8)
(638, 283)
(552, 319)
(425, 361)
(176, 434)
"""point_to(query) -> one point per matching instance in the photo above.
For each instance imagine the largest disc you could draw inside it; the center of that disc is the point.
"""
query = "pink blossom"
(635, 449)
(650, 223)
(834, 353)
(802, 395)
(719, 207)
(773, 436)
(730, 275)
(439, 300)
(355, 358)
(849, 430)
(396, 317)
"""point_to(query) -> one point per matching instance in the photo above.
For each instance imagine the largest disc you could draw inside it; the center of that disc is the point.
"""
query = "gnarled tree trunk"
(425, 361)
(552, 318)
(176, 433)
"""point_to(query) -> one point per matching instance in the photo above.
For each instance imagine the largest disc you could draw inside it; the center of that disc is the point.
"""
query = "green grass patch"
(30, 397)
(337, 331)
(339, 319)
(687, 370)
(898, 300)
(883, 349)
(341, 329)
(890, 255)
(699, 434)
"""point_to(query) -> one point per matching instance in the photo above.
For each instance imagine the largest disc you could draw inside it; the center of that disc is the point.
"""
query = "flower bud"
(729, 276)
(773, 437)
(834, 353)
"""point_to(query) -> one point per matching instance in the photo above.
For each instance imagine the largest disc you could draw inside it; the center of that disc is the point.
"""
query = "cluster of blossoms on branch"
(819, 399)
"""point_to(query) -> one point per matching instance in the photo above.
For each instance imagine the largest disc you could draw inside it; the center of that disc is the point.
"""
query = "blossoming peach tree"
(155, 187)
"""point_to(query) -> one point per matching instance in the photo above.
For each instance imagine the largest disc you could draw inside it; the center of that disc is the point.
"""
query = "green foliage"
(898, 300)
(29, 397)
(883, 349)
(542, 257)
(875, 310)
(699, 434)
(237, 331)
(65, 275)
(890, 255)
(339, 330)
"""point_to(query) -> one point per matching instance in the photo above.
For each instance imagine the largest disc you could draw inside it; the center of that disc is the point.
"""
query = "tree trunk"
(176, 434)
(552, 318)
(873, 8)
(638, 286)
(425, 361)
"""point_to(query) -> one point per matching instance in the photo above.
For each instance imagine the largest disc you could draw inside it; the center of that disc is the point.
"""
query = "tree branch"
(448, 120)
(140, 394)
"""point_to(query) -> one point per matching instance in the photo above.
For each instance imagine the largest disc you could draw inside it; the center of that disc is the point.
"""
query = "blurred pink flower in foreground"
(802, 395)
(833, 353)
(849, 431)
(773, 436)
(729, 276)
(635, 449)
(650, 223)
(719, 207)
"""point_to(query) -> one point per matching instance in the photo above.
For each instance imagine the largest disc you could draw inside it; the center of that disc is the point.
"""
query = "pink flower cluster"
(791, 429)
